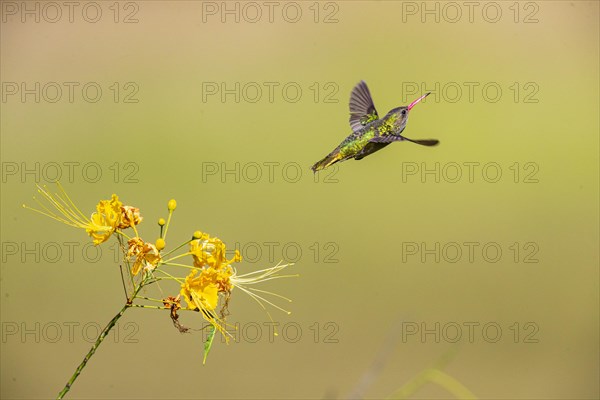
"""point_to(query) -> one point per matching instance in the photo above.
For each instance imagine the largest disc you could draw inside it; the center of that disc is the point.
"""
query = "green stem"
(103, 334)
(92, 351)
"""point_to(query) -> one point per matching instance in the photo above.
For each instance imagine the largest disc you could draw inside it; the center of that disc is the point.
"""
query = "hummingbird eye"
(403, 112)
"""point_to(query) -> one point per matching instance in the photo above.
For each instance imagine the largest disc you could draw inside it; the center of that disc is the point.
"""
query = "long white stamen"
(257, 298)
(274, 269)
(250, 281)
(271, 293)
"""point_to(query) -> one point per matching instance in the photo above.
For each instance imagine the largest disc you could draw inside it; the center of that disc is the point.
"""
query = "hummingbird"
(369, 133)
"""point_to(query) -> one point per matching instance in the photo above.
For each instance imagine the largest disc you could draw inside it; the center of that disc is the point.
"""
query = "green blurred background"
(356, 226)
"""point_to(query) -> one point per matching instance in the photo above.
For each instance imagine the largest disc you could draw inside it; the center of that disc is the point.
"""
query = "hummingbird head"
(402, 113)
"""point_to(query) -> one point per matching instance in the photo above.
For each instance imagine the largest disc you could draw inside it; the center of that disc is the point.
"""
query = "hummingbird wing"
(370, 148)
(398, 138)
(362, 109)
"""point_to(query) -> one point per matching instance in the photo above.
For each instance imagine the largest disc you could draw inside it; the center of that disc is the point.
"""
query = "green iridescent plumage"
(369, 133)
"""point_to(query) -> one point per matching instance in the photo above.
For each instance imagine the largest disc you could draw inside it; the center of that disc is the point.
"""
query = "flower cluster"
(211, 274)
(205, 285)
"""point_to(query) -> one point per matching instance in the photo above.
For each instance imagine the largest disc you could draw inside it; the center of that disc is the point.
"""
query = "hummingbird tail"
(326, 162)
(424, 142)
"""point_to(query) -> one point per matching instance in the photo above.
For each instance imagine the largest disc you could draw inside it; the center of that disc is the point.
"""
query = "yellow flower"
(146, 255)
(100, 226)
(202, 293)
(210, 252)
(130, 216)
(214, 274)
(105, 220)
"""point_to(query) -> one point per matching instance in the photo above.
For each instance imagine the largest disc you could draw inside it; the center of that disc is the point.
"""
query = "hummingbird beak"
(414, 103)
